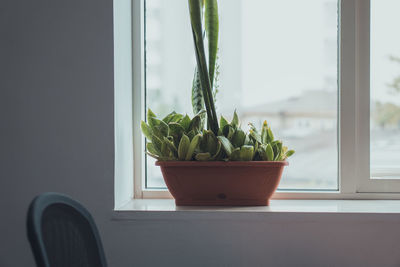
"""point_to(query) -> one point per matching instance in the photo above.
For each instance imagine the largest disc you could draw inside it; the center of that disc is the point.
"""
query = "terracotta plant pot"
(219, 183)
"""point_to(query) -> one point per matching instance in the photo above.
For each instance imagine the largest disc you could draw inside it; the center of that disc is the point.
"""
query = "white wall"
(56, 134)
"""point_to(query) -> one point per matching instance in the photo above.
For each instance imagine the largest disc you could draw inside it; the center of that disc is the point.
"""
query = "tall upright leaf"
(196, 22)
(197, 93)
(212, 28)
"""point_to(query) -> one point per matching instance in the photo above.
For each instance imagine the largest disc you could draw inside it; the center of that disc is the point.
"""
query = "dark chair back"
(62, 233)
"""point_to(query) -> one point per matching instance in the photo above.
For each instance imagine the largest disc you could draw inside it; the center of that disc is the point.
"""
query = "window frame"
(353, 115)
(367, 181)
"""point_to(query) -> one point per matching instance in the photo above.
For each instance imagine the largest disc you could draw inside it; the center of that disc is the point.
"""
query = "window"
(305, 69)
(385, 91)
(289, 79)
(380, 162)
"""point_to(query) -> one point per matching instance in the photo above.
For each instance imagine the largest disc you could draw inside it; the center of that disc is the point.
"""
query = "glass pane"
(276, 63)
(385, 89)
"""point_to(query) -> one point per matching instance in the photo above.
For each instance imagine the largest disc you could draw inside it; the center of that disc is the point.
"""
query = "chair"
(62, 233)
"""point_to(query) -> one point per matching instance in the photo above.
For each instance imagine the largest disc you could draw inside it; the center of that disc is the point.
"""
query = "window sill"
(166, 209)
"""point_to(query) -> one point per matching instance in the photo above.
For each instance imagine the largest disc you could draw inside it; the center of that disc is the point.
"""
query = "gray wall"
(56, 67)
(56, 110)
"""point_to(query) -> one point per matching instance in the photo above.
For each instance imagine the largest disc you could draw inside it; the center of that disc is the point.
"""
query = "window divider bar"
(363, 92)
(138, 95)
(347, 97)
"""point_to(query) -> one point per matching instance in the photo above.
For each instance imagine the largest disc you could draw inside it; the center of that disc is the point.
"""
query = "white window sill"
(166, 209)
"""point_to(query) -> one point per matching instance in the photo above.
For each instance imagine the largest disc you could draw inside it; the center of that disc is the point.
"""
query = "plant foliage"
(179, 137)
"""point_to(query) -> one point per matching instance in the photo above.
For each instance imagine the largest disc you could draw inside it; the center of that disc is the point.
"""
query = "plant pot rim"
(222, 163)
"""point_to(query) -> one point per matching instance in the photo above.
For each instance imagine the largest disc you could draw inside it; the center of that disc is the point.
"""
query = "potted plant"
(205, 161)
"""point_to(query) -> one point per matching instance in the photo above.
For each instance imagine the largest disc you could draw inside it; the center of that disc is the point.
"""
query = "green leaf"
(152, 121)
(235, 155)
(185, 123)
(195, 124)
(191, 134)
(280, 148)
(176, 131)
(255, 135)
(201, 112)
(167, 118)
(246, 153)
(163, 127)
(238, 138)
(197, 93)
(151, 149)
(277, 147)
(264, 133)
(248, 140)
(151, 118)
(289, 153)
(252, 127)
(159, 128)
(195, 9)
(269, 152)
(223, 122)
(197, 31)
(256, 146)
(203, 156)
(157, 143)
(175, 128)
(209, 142)
(146, 130)
(217, 153)
(193, 145)
(171, 146)
(226, 145)
(228, 131)
(270, 135)
(183, 147)
(235, 120)
(165, 152)
(150, 114)
(176, 118)
(284, 149)
(212, 29)
(157, 157)
(262, 153)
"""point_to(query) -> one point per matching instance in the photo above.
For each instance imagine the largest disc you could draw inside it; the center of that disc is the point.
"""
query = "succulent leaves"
(179, 137)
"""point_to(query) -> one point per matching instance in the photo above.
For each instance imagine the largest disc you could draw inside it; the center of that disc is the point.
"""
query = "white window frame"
(353, 122)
